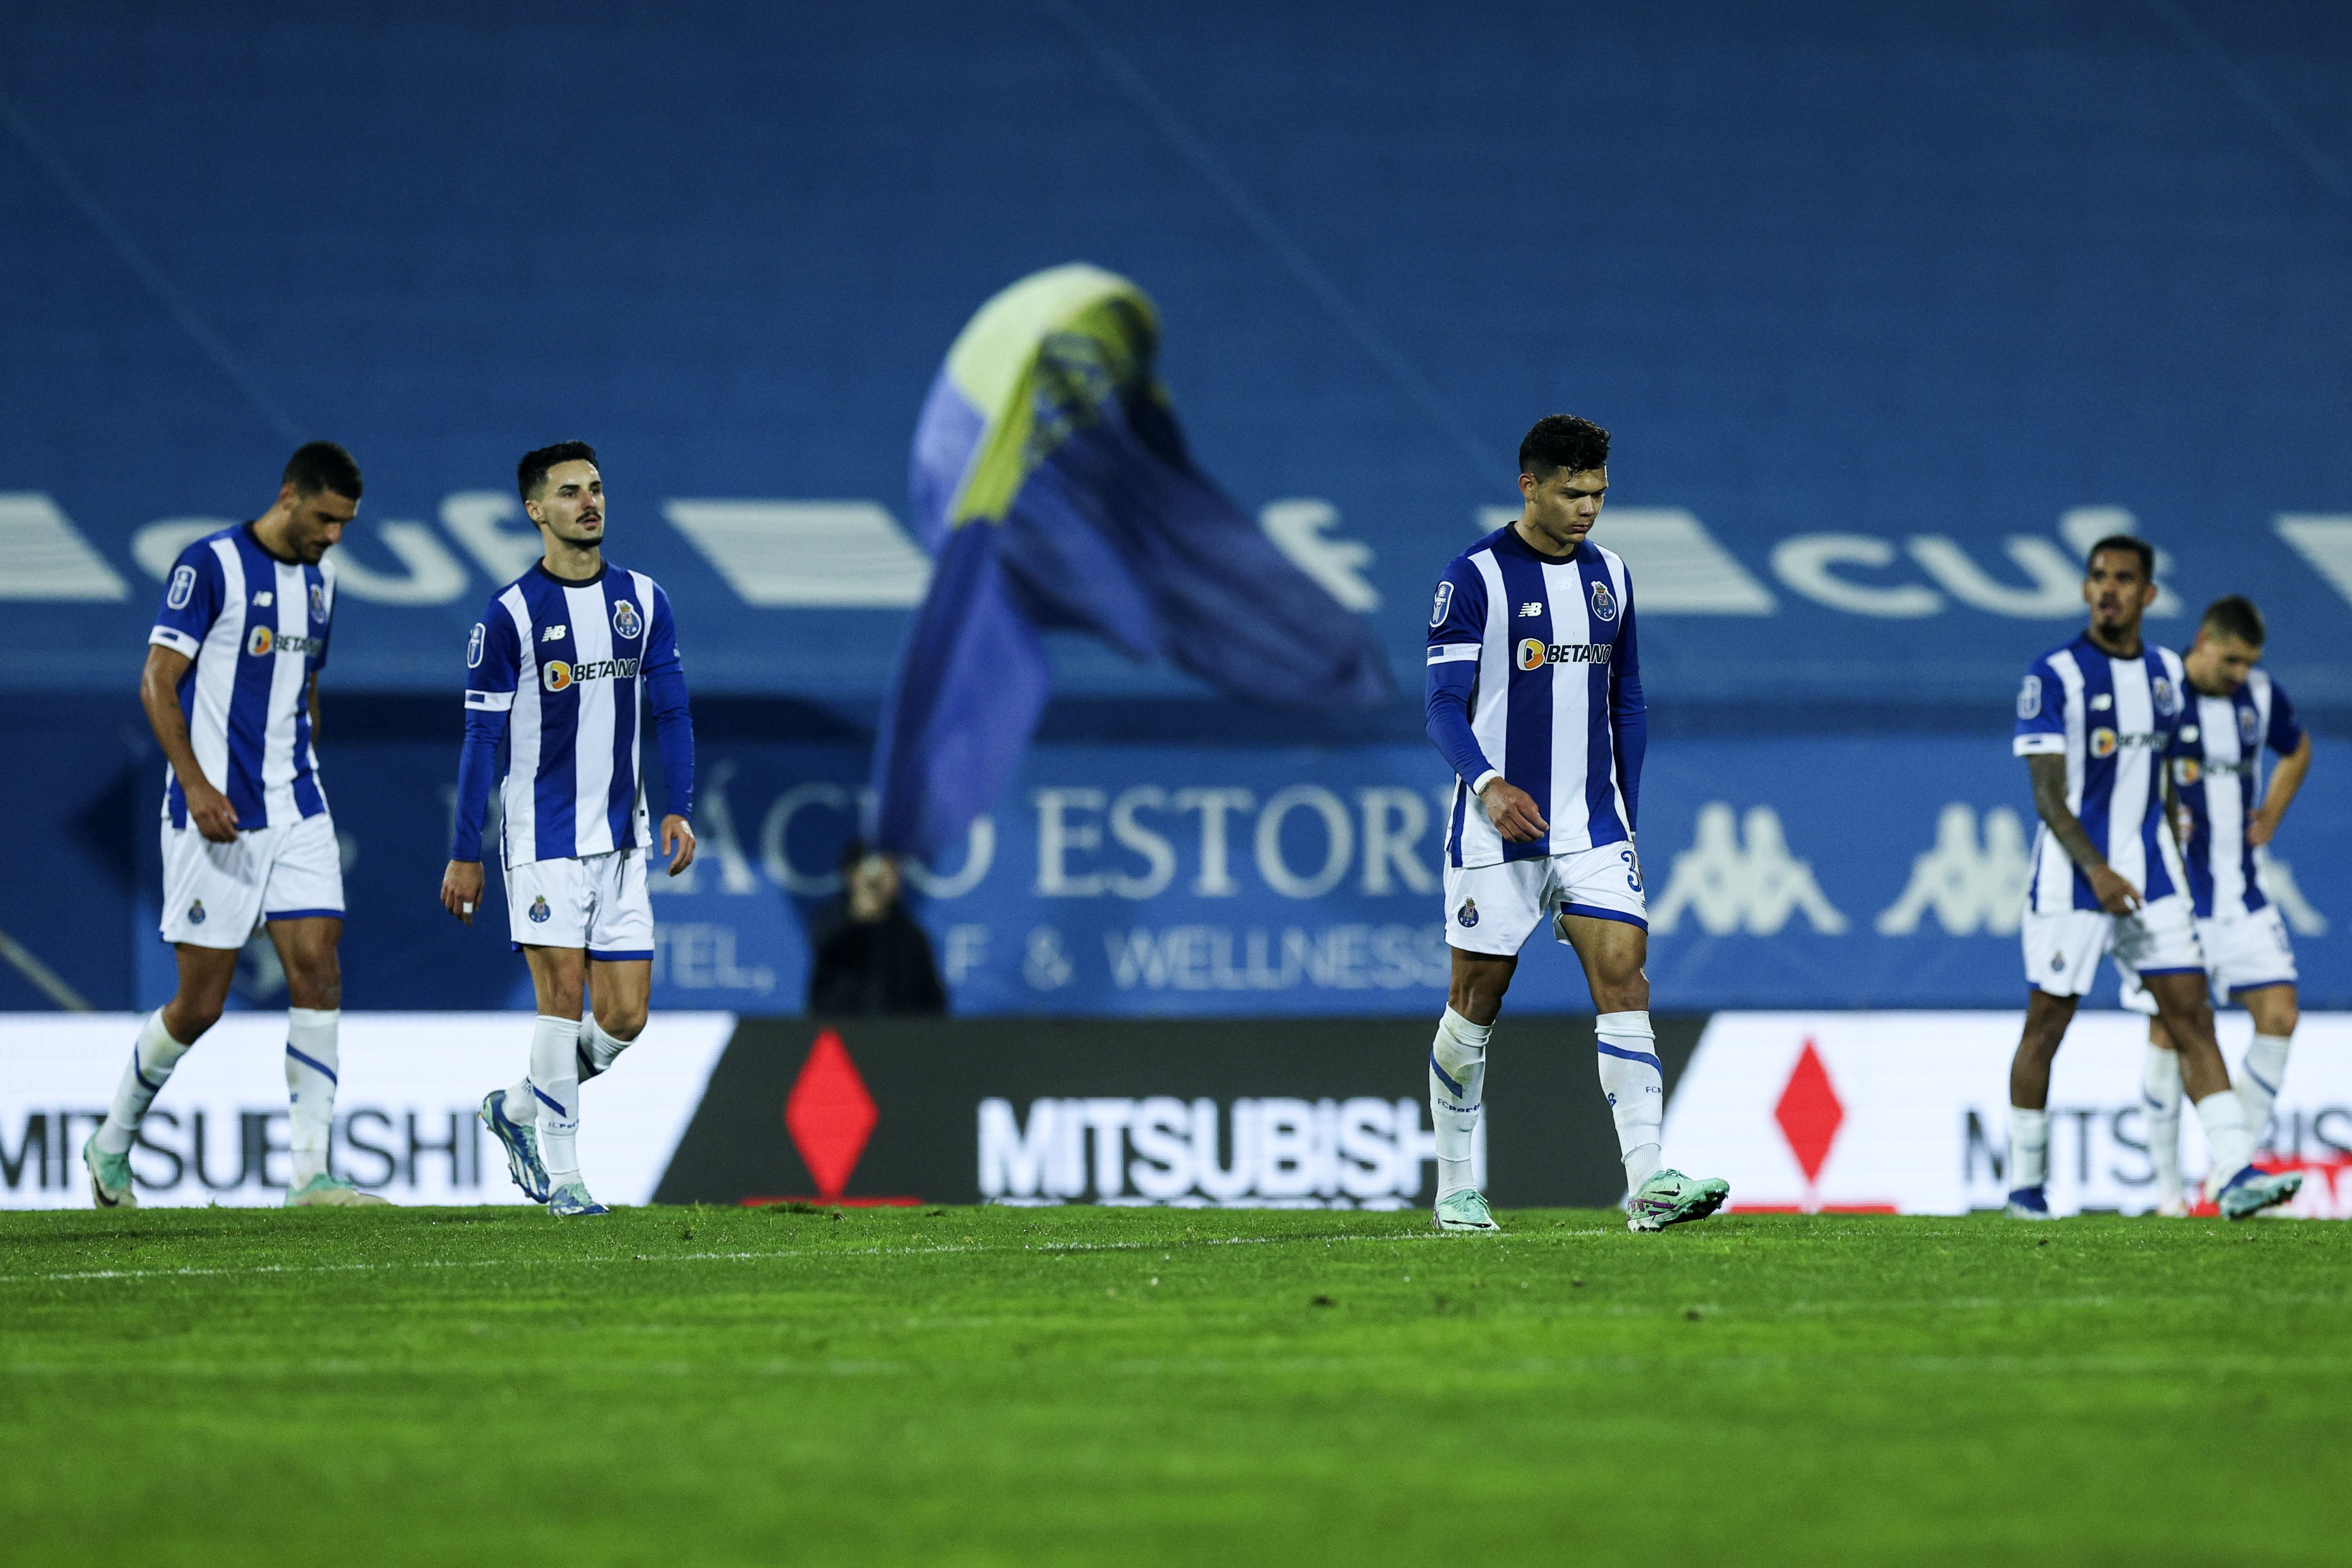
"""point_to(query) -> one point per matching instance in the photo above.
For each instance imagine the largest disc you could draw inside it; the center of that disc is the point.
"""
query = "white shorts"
(214, 894)
(2062, 950)
(2242, 953)
(596, 902)
(1493, 908)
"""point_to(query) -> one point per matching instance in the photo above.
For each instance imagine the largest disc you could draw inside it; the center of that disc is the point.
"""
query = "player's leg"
(2062, 949)
(2160, 1095)
(2234, 1183)
(620, 969)
(1490, 911)
(164, 1036)
(305, 948)
(547, 910)
(1601, 915)
(2263, 1073)
(212, 896)
(558, 979)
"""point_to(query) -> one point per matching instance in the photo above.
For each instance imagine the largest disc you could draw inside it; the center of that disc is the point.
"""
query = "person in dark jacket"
(871, 957)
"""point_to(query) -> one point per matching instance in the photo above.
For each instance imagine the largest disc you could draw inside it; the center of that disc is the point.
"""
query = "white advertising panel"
(404, 1115)
(1908, 1112)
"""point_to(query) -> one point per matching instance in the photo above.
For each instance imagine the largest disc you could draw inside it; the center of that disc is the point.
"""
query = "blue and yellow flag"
(1052, 487)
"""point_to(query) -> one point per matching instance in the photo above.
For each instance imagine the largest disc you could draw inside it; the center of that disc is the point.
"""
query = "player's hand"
(210, 811)
(2113, 891)
(2261, 824)
(1512, 811)
(677, 842)
(461, 889)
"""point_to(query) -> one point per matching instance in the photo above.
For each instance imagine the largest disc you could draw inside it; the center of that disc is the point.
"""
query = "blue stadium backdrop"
(1887, 326)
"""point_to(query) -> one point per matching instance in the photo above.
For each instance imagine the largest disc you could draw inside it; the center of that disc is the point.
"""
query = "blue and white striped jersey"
(568, 661)
(2115, 721)
(2217, 770)
(1534, 673)
(255, 627)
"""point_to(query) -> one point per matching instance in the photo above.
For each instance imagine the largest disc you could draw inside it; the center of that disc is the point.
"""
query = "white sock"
(1457, 1087)
(2225, 1130)
(2028, 1147)
(522, 1105)
(2259, 1077)
(555, 1082)
(598, 1049)
(312, 1067)
(152, 1056)
(2160, 1090)
(1635, 1083)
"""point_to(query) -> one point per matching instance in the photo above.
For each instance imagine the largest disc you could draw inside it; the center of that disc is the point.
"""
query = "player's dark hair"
(530, 474)
(322, 465)
(1563, 441)
(2234, 616)
(2139, 547)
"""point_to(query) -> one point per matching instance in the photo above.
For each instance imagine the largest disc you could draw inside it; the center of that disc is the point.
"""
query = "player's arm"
(666, 699)
(1628, 711)
(2284, 781)
(1457, 630)
(191, 603)
(493, 657)
(2115, 892)
(159, 694)
(311, 696)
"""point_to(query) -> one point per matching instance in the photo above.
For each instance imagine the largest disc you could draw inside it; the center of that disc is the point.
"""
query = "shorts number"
(1633, 868)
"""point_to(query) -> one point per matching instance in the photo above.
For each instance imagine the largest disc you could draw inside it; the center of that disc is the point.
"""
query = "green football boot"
(110, 1176)
(1464, 1210)
(324, 1191)
(1671, 1197)
(2253, 1190)
(570, 1199)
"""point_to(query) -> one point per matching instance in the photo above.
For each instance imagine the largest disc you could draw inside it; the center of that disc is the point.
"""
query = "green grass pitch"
(693, 1385)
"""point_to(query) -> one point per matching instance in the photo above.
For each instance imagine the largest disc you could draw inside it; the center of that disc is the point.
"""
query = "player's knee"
(622, 1020)
(315, 982)
(185, 1018)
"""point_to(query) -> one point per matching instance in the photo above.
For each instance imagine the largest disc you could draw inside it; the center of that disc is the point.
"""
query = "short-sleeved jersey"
(567, 660)
(255, 627)
(2115, 721)
(2217, 770)
(1551, 640)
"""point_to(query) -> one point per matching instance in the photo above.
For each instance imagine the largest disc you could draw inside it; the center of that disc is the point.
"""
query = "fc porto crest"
(196, 913)
(1468, 914)
(627, 625)
(2168, 701)
(1604, 603)
(317, 601)
(2250, 727)
(538, 910)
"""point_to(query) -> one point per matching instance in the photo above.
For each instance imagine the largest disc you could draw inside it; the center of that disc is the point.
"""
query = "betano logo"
(1361, 1153)
(557, 675)
(1534, 655)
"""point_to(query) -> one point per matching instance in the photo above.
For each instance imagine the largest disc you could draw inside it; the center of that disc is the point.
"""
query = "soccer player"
(231, 688)
(2217, 774)
(2095, 720)
(1535, 697)
(566, 660)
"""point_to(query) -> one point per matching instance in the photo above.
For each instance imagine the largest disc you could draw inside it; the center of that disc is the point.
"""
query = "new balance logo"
(1532, 608)
(1739, 875)
(553, 635)
(1973, 883)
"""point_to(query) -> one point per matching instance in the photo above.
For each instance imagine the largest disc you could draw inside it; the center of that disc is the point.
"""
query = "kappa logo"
(183, 586)
(1467, 915)
(1739, 875)
(196, 913)
(1445, 602)
(539, 912)
(627, 625)
(474, 646)
(554, 633)
(1531, 609)
(1972, 883)
(259, 641)
(1604, 606)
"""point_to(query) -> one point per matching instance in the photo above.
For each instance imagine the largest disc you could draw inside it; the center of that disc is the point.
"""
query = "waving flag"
(1052, 487)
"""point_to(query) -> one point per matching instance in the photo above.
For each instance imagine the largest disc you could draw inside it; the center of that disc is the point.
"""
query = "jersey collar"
(601, 567)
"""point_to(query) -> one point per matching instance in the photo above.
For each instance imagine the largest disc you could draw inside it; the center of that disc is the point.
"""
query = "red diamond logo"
(1809, 1114)
(829, 1114)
